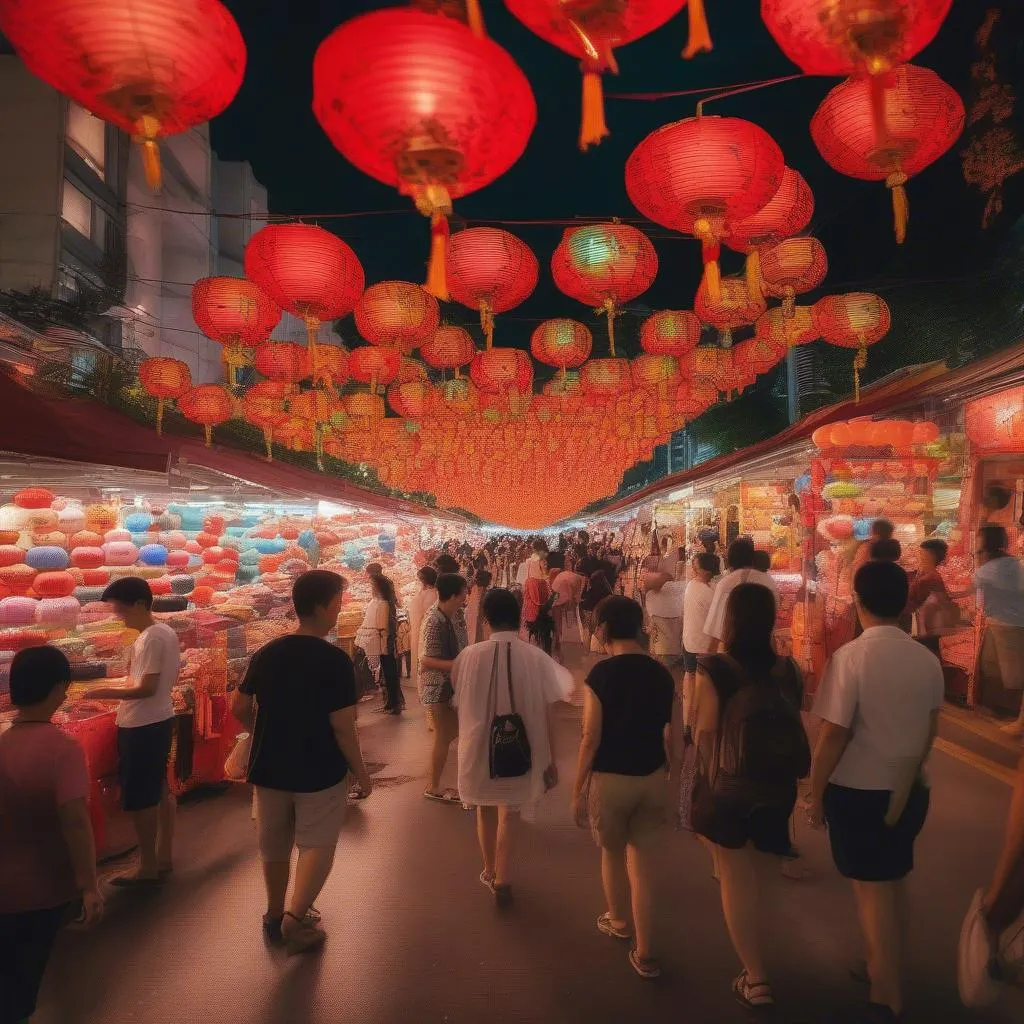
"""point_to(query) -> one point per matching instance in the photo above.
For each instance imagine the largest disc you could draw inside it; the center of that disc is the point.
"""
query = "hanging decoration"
(165, 380)
(701, 174)
(374, 365)
(206, 404)
(282, 361)
(792, 267)
(591, 30)
(492, 271)
(604, 266)
(417, 101)
(561, 343)
(466, 11)
(397, 314)
(734, 307)
(448, 349)
(148, 67)
(854, 320)
(670, 332)
(923, 118)
(787, 331)
(263, 405)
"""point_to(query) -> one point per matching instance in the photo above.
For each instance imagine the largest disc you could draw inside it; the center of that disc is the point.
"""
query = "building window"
(87, 136)
(76, 209)
(67, 285)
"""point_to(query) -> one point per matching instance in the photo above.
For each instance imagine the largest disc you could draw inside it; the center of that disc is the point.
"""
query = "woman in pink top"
(48, 856)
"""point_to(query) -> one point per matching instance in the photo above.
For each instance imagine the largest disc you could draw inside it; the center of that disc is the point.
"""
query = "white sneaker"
(975, 955)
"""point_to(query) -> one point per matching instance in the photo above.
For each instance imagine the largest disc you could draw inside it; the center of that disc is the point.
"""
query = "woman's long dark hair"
(599, 584)
(749, 624)
(386, 590)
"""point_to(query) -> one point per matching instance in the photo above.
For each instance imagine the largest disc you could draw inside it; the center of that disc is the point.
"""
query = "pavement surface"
(415, 939)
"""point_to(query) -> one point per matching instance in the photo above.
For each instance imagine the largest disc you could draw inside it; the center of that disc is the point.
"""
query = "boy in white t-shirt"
(145, 728)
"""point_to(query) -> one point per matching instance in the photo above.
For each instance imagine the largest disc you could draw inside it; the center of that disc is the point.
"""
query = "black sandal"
(753, 995)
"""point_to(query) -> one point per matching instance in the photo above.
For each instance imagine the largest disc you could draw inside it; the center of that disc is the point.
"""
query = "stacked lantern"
(561, 343)
(854, 320)
(397, 314)
(448, 349)
(208, 405)
(164, 379)
(792, 267)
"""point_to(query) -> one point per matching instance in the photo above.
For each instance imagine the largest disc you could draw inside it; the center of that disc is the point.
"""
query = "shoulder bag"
(509, 745)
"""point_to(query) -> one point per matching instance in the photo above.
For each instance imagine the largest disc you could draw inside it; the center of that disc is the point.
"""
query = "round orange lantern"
(148, 67)
(735, 307)
(822, 437)
(236, 314)
(561, 343)
(208, 405)
(840, 435)
(502, 370)
(925, 432)
(605, 379)
(410, 369)
(854, 320)
(282, 362)
(449, 348)
(670, 332)
(373, 365)
(791, 267)
(411, 399)
(786, 331)
(398, 314)
(164, 379)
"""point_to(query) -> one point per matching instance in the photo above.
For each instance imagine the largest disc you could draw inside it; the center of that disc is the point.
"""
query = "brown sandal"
(306, 937)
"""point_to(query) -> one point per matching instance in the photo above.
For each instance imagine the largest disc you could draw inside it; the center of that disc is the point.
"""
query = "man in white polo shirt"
(879, 703)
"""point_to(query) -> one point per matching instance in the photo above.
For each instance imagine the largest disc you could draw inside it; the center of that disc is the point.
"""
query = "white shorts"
(305, 820)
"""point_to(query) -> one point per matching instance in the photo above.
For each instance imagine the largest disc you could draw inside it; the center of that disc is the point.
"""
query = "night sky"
(271, 125)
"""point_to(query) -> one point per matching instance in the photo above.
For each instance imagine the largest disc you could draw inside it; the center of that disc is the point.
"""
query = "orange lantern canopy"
(235, 313)
(397, 314)
(854, 320)
(206, 404)
(561, 343)
(163, 379)
(148, 67)
(791, 267)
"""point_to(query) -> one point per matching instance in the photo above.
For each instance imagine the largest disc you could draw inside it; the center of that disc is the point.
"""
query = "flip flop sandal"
(449, 796)
(129, 882)
(753, 996)
(645, 968)
(607, 927)
(305, 939)
(357, 793)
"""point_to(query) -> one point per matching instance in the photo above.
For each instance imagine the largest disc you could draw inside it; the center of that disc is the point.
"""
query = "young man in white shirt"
(879, 703)
(740, 560)
(696, 605)
(145, 728)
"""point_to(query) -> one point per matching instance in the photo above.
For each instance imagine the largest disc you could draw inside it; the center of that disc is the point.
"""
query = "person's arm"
(591, 740)
(146, 687)
(836, 705)
(243, 707)
(76, 828)
(828, 752)
(343, 722)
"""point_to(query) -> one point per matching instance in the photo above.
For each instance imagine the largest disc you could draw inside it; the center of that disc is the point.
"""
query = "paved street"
(414, 938)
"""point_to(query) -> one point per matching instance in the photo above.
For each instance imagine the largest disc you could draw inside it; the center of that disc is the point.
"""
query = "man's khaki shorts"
(305, 820)
(627, 809)
(1002, 654)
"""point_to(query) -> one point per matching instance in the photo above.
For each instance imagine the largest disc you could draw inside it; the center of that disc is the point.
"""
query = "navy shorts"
(864, 847)
(142, 754)
(689, 662)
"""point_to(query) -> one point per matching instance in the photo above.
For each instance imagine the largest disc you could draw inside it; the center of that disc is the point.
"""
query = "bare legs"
(882, 910)
(165, 835)
(154, 829)
(275, 876)
(626, 878)
(495, 829)
(446, 728)
(740, 905)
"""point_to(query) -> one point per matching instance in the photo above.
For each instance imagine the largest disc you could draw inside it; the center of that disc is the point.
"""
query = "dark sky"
(271, 125)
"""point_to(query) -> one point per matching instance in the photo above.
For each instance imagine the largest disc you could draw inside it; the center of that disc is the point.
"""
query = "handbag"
(509, 745)
(236, 765)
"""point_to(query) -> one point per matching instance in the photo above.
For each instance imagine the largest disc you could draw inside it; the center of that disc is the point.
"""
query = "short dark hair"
(129, 590)
(427, 576)
(882, 588)
(374, 569)
(886, 550)
(993, 539)
(540, 546)
(449, 584)
(762, 560)
(708, 562)
(483, 578)
(501, 609)
(882, 529)
(315, 589)
(938, 548)
(741, 554)
(35, 673)
(621, 616)
(445, 564)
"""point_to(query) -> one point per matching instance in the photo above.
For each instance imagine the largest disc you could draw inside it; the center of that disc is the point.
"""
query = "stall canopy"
(83, 430)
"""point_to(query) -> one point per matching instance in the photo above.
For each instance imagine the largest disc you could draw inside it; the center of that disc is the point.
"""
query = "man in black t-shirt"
(298, 700)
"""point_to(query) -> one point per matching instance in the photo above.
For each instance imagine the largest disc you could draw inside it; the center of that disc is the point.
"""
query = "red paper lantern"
(307, 271)
(418, 102)
(655, 373)
(699, 175)
(162, 379)
(604, 379)
(490, 270)
(604, 265)
(411, 400)
(282, 362)
(670, 332)
(502, 371)
(373, 365)
(149, 67)
(791, 267)
(208, 405)
(448, 349)
(757, 355)
(398, 314)
(562, 343)
(854, 320)
(923, 117)
(410, 369)
(319, 406)
(786, 331)
(235, 313)
(694, 397)
(847, 37)
(590, 30)
(926, 432)
(735, 306)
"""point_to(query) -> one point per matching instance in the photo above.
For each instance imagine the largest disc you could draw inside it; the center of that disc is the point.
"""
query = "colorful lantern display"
(148, 67)
(164, 379)
(236, 314)
(490, 270)
(417, 101)
(398, 314)
(923, 118)
(604, 266)
(854, 320)
(265, 411)
(700, 174)
(561, 343)
(792, 267)
(670, 332)
(591, 30)
(208, 405)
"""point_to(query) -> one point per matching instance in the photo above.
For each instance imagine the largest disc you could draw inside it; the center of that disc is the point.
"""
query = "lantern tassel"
(789, 303)
(268, 440)
(437, 276)
(900, 206)
(159, 417)
(710, 251)
(208, 431)
(487, 322)
(147, 130)
(475, 19)
(755, 282)
(860, 361)
(610, 312)
(699, 38)
(593, 127)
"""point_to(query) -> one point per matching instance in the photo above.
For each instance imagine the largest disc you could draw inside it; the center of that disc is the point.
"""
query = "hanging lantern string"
(726, 90)
(738, 90)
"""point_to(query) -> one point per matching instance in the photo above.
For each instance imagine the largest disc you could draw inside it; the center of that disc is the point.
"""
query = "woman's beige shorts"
(627, 809)
(305, 820)
(1002, 654)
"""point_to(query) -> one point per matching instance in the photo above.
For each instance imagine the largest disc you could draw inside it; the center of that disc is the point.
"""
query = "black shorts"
(142, 754)
(733, 824)
(689, 662)
(864, 848)
(26, 939)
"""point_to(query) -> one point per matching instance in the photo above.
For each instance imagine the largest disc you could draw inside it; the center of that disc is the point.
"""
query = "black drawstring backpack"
(510, 747)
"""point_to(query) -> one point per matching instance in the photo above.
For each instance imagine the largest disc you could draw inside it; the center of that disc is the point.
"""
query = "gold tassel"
(710, 250)
(475, 19)
(860, 361)
(208, 431)
(789, 303)
(159, 417)
(900, 206)
(593, 127)
(487, 322)
(437, 276)
(610, 313)
(268, 440)
(147, 129)
(755, 282)
(699, 40)
(713, 280)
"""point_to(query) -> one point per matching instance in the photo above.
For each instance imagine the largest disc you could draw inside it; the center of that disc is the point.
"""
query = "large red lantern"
(417, 101)
(448, 349)
(735, 306)
(604, 266)
(307, 271)
(605, 379)
(149, 67)
(562, 343)
(757, 355)
(502, 370)
(699, 175)
(787, 331)
(490, 270)
(412, 399)
(235, 313)
(854, 320)
(655, 373)
(923, 117)
(374, 365)
(208, 405)
(397, 314)
(164, 379)
(591, 30)
(282, 361)
(670, 332)
(792, 267)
